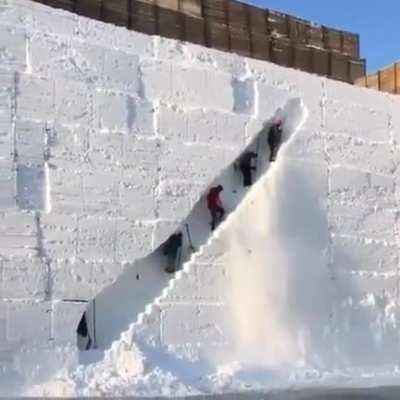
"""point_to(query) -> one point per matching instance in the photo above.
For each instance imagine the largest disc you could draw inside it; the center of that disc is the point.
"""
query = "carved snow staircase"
(137, 330)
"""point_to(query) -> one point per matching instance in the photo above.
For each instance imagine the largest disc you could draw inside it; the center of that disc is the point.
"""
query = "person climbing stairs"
(246, 167)
(214, 205)
(275, 139)
(173, 249)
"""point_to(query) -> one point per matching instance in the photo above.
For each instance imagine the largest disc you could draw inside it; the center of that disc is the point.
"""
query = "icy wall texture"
(107, 142)
(108, 138)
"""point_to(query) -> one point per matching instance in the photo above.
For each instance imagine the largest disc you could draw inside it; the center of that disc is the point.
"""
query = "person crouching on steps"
(215, 206)
(172, 249)
(246, 167)
(275, 139)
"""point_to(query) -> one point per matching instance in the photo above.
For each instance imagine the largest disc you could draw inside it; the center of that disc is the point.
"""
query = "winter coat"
(275, 135)
(245, 159)
(213, 199)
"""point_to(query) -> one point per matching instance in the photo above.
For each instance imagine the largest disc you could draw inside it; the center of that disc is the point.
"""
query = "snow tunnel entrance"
(84, 339)
(120, 304)
(86, 329)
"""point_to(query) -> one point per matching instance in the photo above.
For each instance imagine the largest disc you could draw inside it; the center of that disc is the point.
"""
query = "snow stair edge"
(127, 337)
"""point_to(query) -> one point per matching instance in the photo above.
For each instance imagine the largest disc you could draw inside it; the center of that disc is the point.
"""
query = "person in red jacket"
(215, 206)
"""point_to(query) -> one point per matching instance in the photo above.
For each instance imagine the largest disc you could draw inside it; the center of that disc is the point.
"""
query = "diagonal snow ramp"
(190, 316)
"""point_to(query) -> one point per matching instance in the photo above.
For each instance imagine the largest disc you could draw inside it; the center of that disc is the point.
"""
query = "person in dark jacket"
(275, 139)
(214, 204)
(245, 166)
(172, 249)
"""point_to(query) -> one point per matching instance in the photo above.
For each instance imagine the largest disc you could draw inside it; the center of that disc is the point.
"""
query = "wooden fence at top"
(385, 80)
(229, 25)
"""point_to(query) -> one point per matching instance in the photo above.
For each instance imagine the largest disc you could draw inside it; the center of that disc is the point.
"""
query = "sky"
(377, 22)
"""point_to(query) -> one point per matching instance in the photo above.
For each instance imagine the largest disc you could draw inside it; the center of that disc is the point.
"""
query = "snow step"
(128, 336)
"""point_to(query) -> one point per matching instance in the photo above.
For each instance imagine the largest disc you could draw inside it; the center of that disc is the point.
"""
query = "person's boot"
(212, 225)
(170, 269)
(272, 156)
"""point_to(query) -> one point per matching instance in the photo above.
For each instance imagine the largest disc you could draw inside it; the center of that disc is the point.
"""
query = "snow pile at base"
(56, 388)
(126, 377)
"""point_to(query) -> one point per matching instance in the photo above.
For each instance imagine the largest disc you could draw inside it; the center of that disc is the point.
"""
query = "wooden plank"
(214, 11)
(332, 39)
(339, 64)
(315, 36)
(350, 44)
(361, 82)
(303, 58)
(145, 9)
(397, 77)
(120, 6)
(217, 36)
(240, 42)
(168, 4)
(373, 81)
(89, 8)
(238, 15)
(191, 8)
(298, 30)
(261, 46)
(170, 23)
(143, 17)
(320, 61)
(63, 4)
(115, 12)
(258, 22)
(144, 26)
(387, 79)
(278, 24)
(282, 52)
(193, 29)
(356, 70)
(151, 2)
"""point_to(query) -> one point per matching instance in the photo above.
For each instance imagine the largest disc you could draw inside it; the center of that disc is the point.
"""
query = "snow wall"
(110, 137)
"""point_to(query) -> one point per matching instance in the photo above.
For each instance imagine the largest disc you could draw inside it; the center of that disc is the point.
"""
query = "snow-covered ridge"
(137, 127)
